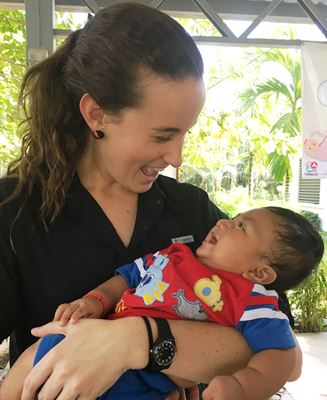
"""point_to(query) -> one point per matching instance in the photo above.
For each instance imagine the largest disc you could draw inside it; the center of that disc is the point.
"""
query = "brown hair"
(297, 251)
(105, 60)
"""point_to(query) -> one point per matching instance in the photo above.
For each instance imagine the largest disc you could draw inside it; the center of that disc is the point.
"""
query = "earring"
(98, 134)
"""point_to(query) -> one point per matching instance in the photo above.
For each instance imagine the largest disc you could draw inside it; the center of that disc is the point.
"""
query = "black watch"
(163, 352)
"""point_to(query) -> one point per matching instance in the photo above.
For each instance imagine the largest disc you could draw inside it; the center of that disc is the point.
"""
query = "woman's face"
(145, 140)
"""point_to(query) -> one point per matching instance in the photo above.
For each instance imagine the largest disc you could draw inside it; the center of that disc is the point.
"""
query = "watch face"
(164, 352)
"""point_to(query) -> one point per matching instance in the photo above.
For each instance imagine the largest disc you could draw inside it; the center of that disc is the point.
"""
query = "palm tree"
(285, 89)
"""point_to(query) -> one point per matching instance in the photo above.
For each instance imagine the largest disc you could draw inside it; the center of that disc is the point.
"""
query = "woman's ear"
(91, 112)
(263, 274)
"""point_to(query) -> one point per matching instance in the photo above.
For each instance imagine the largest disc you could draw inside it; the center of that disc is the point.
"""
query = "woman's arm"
(205, 350)
(110, 347)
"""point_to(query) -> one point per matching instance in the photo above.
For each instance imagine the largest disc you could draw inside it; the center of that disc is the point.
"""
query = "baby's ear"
(263, 274)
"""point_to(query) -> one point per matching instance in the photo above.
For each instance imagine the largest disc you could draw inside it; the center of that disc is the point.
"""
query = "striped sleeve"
(262, 324)
(135, 271)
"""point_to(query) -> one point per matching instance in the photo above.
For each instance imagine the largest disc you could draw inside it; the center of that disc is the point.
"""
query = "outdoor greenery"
(287, 127)
(240, 151)
(12, 68)
(257, 137)
(313, 218)
(309, 300)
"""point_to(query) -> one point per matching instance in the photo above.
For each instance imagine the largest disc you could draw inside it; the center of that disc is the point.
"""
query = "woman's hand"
(68, 372)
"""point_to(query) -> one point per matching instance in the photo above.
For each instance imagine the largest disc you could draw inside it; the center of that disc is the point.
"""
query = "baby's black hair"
(297, 251)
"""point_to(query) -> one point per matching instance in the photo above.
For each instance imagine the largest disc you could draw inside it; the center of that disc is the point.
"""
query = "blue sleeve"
(264, 328)
(133, 272)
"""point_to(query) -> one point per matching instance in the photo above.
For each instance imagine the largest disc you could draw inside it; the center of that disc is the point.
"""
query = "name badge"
(183, 239)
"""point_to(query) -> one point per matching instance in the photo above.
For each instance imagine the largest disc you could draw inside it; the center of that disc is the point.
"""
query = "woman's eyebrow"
(169, 129)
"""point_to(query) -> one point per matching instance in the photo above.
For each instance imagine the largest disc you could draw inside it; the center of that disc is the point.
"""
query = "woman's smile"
(151, 172)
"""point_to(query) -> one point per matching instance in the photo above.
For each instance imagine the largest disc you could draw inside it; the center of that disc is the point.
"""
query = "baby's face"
(238, 245)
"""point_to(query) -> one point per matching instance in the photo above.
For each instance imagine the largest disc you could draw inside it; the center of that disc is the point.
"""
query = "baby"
(231, 281)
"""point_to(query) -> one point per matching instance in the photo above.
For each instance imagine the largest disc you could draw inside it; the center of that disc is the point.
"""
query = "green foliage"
(232, 205)
(12, 68)
(313, 218)
(284, 89)
(251, 140)
(309, 301)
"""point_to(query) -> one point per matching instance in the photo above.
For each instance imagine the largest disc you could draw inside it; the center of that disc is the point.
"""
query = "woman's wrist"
(138, 342)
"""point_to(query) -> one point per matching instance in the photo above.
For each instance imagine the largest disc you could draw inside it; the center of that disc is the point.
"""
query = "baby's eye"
(240, 224)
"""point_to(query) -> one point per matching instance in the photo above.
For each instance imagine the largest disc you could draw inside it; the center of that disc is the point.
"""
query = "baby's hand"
(86, 307)
(224, 388)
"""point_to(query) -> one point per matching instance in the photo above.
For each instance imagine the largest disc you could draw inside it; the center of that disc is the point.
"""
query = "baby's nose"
(224, 223)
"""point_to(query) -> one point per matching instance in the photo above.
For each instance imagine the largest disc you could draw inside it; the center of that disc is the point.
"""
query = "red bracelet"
(103, 301)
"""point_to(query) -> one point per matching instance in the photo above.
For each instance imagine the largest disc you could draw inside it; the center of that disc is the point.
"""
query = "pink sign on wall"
(314, 110)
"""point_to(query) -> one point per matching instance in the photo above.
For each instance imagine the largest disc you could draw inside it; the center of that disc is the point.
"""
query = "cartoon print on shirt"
(120, 306)
(152, 286)
(208, 290)
(188, 309)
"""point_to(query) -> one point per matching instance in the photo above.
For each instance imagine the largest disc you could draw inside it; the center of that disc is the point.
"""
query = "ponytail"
(55, 133)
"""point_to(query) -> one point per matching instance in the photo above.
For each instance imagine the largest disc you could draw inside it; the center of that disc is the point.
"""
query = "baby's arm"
(296, 372)
(95, 304)
(266, 372)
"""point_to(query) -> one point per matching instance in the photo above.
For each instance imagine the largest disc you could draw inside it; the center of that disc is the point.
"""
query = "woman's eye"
(162, 139)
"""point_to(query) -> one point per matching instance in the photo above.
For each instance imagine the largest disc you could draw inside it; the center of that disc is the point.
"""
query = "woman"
(105, 114)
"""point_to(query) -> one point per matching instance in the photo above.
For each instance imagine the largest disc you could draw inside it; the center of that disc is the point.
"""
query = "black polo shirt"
(41, 269)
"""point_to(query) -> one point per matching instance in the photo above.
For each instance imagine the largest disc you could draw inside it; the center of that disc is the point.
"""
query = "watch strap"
(149, 331)
(164, 331)
(164, 334)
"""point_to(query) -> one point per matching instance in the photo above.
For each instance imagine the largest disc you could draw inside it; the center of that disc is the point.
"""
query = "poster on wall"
(314, 110)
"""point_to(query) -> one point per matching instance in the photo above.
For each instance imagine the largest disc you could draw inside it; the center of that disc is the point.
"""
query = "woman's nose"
(173, 156)
(174, 159)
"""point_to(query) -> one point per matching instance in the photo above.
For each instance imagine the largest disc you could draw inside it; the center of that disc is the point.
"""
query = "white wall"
(321, 208)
